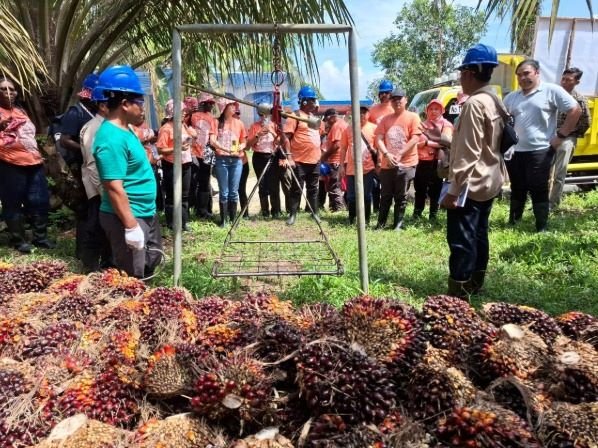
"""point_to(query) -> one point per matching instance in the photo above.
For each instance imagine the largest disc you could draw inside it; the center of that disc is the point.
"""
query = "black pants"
(94, 246)
(159, 191)
(308, 174)
(336, 201)
(137, 263)
(243, 185)
(168, 185)
(530, 172)
(427, 184)
(467, 237)
(394, 185)
(269, 186)
(200, 196)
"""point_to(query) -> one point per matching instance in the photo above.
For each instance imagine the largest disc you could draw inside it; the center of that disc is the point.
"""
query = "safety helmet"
(480, 54)
(97, 94)
(306, 93)
(121, 78)
(325, 169)
(91, 81)
(385, 86)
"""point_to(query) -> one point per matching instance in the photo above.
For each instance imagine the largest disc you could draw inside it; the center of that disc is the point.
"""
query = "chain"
(277, 72)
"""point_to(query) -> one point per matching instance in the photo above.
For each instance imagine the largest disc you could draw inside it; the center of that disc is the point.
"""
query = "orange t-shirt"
(143, 133)
(232, 136)
(305, 144)
(18, 146)
(265, 143)
(379, 111)
(205, 124)
(335, 135)
(368, 130)
(166, 141)
(397, 131)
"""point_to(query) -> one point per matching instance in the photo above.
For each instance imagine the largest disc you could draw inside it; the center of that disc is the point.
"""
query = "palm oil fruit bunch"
(54, 338)
(236, 386)
(33, 277)
(567, 425)
(21, 434)
(114, 283)
(324, 429)
(178, 431)
(69, 284)
(435, 387)
(388, 331)
(210, 310)
(485, 425)
(169, 372)
(76, 307)
(333, 378)
(539, 322)
(266, 438)
(512, 351)
(451, 324)
(573, 372)
(13, 383)
(579, 326)
(277, 338)
(256, 307)
(317, 320)
(528, 399)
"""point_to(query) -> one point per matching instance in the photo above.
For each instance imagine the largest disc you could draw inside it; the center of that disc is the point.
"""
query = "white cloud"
(335, 84)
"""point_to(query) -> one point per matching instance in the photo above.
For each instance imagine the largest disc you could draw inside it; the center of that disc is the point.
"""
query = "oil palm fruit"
(539, 322)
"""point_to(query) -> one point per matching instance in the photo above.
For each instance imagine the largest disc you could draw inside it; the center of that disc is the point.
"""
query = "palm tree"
(76, 37)
(524, 13)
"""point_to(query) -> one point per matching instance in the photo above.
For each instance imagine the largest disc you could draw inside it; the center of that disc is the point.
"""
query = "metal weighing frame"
(355, 110)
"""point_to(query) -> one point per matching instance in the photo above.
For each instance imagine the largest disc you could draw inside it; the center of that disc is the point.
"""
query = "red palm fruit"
(256, 307)
(33, 277)
(66, 285)
(485, 425)
(451, 324)
(114, 283)
(22, 434)
(74, 307)
(15, 379)
(579, 326)
(170, 370)
(317, 320)
(52, 339)
(387, 330)
(539, 322)
(567, 425)
(435, 387)
(277, 338)
(211, 310)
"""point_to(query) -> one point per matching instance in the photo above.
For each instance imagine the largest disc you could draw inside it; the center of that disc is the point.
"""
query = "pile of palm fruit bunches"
(105, 361)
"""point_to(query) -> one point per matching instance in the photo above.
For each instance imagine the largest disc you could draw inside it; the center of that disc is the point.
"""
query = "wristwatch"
(559, 134)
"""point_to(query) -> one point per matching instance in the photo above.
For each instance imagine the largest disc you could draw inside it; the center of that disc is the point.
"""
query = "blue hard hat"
(121, 78)
(97, 94)
(324, 169)
(307, 92)
(480, 54)
(91, 81)
(385, 86)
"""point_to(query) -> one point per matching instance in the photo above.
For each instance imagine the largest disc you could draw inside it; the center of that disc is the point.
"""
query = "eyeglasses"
(139, 102)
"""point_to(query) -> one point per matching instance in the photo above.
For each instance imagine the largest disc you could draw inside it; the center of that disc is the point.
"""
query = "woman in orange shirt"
(23, 184)
(165, 145)
(230, 146)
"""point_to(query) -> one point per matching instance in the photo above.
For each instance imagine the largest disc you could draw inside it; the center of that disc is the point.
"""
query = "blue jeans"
(228, 172)
(23, 189)
(467, 237)
(368, 186)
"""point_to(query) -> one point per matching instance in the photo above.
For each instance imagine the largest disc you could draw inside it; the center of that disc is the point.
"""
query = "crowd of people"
(127, 169)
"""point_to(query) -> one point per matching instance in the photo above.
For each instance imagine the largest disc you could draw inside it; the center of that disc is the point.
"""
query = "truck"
(573, 45)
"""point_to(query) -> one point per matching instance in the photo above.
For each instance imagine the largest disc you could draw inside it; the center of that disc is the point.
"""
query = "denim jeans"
(23, 189)
(228, 173)
(467, 237)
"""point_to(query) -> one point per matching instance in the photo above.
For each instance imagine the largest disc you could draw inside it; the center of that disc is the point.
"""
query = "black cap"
(329, 113)
(397, 92)
(364, 107)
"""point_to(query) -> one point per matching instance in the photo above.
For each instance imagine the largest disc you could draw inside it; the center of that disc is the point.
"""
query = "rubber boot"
(232, 210)
(203, 207)
(433, 216)
(315, 207)
(541, 211)
(292, 218)
(246, 212)
(168, 211)
(461, 289)
(399, 214)
(351, 207)
(516, 211)
(477, 281)
(17, 236)
(223, 214)
(383, 213)
(264, 206)
(185, 215)
(368, 212)
(40, 233)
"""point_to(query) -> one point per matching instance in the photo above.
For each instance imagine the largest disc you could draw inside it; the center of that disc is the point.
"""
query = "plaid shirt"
(584, 120)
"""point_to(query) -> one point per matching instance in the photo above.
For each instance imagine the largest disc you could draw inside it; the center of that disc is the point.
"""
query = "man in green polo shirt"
(128, 208)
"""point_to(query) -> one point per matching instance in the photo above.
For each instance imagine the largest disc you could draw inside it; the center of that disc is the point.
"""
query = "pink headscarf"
(205, 97)
(223, 102)
(169, 108)
(191, 103)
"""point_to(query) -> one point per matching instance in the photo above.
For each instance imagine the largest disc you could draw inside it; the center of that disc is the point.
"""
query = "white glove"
(134, 238)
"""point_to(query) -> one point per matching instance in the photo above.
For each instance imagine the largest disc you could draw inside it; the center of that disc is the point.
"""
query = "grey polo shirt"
(536, 113)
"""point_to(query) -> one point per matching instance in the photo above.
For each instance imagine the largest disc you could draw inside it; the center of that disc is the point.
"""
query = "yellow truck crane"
(573, 45)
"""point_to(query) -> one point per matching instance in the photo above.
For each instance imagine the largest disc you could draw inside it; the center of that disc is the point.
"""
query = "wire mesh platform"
(274, 258)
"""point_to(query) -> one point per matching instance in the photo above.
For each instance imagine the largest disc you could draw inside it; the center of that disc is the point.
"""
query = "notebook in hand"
(462, 195)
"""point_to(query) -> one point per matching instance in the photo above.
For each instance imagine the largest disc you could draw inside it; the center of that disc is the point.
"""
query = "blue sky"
(374, 21)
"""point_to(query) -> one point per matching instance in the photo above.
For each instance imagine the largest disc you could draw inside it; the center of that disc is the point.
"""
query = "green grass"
(556, 271)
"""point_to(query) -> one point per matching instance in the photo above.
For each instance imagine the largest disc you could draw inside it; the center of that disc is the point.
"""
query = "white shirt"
(536, 114)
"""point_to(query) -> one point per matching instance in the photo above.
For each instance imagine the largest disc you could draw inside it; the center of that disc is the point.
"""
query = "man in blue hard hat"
(384, 107)
(305, 154)
(476, 173)
(535, 107)
(128, 208)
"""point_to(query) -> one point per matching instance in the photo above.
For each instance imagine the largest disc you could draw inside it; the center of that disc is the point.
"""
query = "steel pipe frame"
(355, 111)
